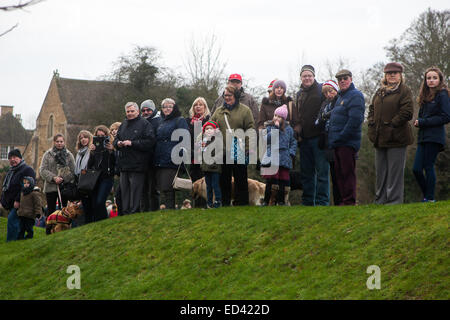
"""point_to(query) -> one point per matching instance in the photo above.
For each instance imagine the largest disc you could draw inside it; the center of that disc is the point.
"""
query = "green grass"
(239, 253)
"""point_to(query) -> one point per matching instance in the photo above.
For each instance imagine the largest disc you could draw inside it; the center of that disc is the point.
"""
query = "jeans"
(99, 197)
(13, 226)
(212, 180)
(426, 155)
(314, 172)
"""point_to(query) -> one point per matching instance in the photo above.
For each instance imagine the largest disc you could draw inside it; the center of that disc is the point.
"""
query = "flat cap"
(342, 73)
(393, 67)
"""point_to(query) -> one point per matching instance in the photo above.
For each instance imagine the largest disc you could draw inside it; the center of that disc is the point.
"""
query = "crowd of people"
(324, 121)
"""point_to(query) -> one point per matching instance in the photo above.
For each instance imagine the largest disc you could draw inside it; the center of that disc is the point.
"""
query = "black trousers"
(26, 225)
(150, 195)
(239, 172)
(51, 202)
(131, 185)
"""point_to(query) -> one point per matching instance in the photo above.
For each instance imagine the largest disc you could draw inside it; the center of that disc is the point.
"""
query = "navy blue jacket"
(13, 192)
(155, 120)
(136, 157)
(164, 145)
(432, 119)
(346, 119)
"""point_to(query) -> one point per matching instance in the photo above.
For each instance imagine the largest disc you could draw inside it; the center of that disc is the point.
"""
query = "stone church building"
(72, 105)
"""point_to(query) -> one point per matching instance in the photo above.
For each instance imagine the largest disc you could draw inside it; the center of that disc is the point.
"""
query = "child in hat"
(30, 207)
(212, 170)
(286, 148)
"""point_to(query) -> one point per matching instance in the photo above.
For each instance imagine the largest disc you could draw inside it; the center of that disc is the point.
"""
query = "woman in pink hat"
(286, 149)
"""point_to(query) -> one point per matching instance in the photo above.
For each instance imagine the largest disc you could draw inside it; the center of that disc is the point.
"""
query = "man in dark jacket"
(150, 195)
(344, 135)
(135, 140)
(11, 188)
(245, 98)
(314, 167)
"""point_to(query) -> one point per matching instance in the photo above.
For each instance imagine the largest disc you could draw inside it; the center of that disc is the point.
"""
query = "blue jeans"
(99, 197)
(212, 180)
(424, 161)
(314, 173)
(13, 226)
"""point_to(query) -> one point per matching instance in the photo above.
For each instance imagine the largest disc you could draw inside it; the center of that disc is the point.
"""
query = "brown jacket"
(268, 109)
(388, 118)
(30, 204)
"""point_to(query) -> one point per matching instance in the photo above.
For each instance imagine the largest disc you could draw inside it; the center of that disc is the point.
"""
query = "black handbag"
(88, 180)
(69, 191)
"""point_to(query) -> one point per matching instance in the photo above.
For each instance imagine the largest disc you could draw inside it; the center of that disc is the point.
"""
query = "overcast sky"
(260, 39)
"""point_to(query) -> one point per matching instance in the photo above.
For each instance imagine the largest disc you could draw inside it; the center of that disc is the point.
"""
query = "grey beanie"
(148, 104)
(279, 83)
(308, 67)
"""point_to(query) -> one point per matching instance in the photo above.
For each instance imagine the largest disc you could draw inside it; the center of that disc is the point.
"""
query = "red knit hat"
(210, 123)
(235, 76)
(271, 84)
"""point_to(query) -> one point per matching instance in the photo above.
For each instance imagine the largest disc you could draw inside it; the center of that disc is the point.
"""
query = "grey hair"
(167, 100)
(132, 104)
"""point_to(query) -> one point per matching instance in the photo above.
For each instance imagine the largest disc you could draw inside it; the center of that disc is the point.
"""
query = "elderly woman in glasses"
(165, 168)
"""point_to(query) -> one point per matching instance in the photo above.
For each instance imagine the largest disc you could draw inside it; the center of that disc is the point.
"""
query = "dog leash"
(59, 196)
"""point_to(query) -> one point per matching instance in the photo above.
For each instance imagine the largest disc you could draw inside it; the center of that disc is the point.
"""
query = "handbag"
(69, 191)
(88, 180)
(181, 183)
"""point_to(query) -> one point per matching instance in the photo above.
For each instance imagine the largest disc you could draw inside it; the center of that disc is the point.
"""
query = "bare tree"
(204, 67)
(16, 6)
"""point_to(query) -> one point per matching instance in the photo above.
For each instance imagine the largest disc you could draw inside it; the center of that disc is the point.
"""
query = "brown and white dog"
(62, 219)
(256, 190)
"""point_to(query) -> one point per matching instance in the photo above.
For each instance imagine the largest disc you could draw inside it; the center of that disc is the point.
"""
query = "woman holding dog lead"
(102, 158)
(57, 166)
(230, 116)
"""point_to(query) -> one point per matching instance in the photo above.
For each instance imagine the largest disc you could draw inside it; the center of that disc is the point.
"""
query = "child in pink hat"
(286, 148)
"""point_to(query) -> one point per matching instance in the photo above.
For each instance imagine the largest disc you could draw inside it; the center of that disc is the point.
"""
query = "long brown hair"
(83, 134)
(426, 94)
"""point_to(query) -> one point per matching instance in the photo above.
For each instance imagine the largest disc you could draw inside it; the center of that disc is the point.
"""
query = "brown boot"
(273, 195)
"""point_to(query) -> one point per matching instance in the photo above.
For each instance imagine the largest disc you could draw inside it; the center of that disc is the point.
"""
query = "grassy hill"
(239, 253)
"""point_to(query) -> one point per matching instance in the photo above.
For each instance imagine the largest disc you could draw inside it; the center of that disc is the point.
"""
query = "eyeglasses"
(146, 110)
(167, 107)
(345, 78)
(228, 95)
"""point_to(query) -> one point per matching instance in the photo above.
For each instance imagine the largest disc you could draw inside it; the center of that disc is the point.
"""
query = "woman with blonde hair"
(390, 132)
(199, 114)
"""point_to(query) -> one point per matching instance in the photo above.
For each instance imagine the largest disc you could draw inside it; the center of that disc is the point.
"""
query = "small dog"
(256, 190)
(62, 219)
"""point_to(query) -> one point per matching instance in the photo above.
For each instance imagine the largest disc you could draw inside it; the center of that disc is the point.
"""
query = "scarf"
(230, 107)
(60, 156)
(82, 160)
(387, 88)
(10, 174)
(196, 118)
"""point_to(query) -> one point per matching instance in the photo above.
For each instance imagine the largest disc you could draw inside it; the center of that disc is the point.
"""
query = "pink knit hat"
(281, 111)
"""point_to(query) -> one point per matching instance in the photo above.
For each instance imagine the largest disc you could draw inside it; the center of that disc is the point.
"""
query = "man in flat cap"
(344, 135)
